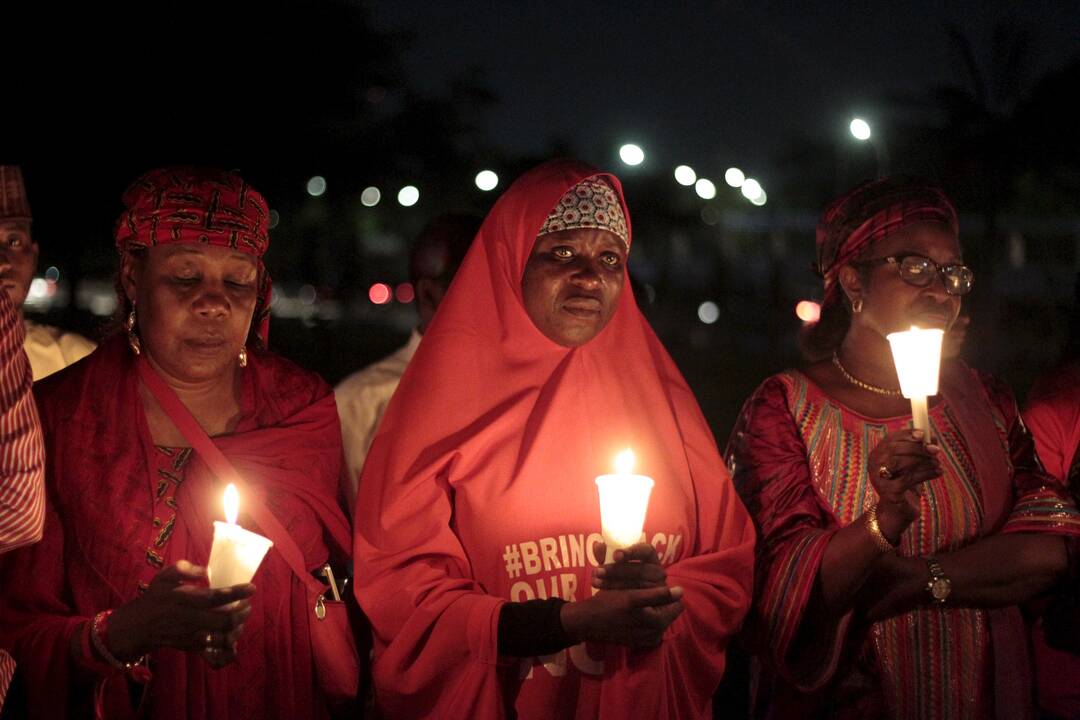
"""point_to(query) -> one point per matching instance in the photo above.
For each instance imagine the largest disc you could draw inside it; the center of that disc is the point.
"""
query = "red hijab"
(494, 424)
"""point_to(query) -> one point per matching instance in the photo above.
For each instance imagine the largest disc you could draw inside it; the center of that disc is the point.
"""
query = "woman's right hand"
(176, 612)
(635, 618)
(910, 463)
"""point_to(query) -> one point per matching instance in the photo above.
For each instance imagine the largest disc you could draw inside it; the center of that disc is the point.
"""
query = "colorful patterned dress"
(799, 460)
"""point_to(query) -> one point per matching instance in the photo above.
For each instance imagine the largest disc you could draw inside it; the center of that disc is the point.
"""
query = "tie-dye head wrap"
(199, 206)
(871, 212)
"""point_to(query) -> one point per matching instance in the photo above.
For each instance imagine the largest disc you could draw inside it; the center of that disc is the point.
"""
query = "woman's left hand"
(636, 567)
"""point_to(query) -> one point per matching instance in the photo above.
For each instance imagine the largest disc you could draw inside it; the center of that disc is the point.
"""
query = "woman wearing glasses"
(890, 565)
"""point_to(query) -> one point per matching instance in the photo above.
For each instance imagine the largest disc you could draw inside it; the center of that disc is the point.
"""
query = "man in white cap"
(49, 348)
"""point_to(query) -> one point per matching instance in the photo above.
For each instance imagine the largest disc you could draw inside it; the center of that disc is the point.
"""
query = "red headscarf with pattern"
(13, 202)
(871, 212)
(199, 206)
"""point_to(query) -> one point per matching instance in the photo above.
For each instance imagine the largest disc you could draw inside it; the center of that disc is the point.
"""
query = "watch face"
(939, 589)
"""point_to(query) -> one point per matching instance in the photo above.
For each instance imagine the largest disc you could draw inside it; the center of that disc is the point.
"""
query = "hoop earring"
(243, 356)
(856, 305)
(132, 336)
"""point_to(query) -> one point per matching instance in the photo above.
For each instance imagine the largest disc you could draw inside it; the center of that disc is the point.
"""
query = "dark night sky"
(98, 93)
(710, 84)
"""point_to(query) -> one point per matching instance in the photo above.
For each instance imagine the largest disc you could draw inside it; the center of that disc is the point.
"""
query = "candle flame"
(624, 462)
(232, 503)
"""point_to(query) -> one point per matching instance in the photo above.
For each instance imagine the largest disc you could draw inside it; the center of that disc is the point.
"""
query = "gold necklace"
(859, 383)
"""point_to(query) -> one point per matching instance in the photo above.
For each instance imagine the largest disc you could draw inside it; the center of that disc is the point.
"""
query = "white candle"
(917, 355)
(624, 499)
(236, 553)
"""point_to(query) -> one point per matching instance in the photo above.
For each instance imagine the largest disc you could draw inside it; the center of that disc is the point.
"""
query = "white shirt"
(51, 349)
(361, 401)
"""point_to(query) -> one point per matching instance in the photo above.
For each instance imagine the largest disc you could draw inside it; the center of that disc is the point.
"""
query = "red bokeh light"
(808, 311)
(405, 293)
(380, 293)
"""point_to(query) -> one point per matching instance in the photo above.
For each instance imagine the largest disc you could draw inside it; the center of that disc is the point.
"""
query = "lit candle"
(917, 355)
(624, 498)
(236, 553)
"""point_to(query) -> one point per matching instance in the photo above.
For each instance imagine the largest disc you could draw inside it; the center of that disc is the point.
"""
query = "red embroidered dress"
(119, 507)
(799, 460)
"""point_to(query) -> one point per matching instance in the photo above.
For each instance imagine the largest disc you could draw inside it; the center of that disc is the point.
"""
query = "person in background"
(22, 454)
(363, 396)
(110, 614)
(477, 507)
(890, 569)
(49, 348)
(1053, 416)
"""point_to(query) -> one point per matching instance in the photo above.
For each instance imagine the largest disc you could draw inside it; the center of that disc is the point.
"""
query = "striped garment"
(801, 483)
(22, 455)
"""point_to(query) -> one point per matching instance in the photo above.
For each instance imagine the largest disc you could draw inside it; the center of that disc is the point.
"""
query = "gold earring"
(243, 356)
(132, 336)
(856, 305)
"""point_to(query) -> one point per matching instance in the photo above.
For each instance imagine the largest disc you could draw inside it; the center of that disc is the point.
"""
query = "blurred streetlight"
(705, 189)
(370, 197)
(751, 189)
(860, 129)
(685, 175)
(734, 177)
(487, 180)
(760, 200)
(408, 195)
(708, 312)
(632, 154)
(316, 186)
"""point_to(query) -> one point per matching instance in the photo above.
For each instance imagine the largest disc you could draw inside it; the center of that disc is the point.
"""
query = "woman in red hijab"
(889, 568)
(110, 614)
(477, 511)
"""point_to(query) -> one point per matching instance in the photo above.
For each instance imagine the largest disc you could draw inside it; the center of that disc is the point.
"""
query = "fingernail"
(619, 555)
(917, 434)
(676, 593)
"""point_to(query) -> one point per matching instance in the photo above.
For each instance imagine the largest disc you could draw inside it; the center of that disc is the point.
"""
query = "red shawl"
(479, 489)
(99, 525)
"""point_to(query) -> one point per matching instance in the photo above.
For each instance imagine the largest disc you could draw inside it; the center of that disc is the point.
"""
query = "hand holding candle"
(236, 553)
(917, 354)
(624, 500)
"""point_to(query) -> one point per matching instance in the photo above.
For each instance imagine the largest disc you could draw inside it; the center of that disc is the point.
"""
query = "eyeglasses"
(920, 271)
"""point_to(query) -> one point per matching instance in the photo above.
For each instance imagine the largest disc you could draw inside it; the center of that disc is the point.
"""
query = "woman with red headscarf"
(477, 513)
(1053, 416)
(889, 568)
(110, 613)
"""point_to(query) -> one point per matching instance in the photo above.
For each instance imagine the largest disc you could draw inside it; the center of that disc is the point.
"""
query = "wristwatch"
(938, 586)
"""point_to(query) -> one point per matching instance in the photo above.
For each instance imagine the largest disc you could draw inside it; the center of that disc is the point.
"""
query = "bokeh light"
(316, 186)
(860, 129)
(631, 154)
(685, 175)
(808, 311)
(751, 189)
(708, 312)
(370, 197)
(487, 180)
(380, 293)
(408, 196)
